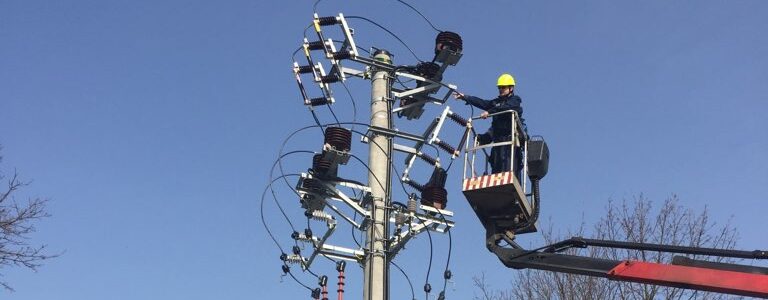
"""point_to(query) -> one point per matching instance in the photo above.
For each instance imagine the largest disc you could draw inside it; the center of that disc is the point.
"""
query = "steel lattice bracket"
(433, 219)
(412, 100)
(348, 48)
(319, 76)
(316, 193)
(435, 140)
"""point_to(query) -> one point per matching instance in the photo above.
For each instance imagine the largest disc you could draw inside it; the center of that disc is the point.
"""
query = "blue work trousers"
(500, 155)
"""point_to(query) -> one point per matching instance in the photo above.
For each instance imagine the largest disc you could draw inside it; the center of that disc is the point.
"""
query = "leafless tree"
(17, 223)
(635, 221)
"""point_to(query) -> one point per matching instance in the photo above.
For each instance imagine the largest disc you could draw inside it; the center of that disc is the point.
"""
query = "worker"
(500, 130)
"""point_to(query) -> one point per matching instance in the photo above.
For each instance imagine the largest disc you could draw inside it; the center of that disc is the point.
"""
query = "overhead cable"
(420, 14)
(388, 31)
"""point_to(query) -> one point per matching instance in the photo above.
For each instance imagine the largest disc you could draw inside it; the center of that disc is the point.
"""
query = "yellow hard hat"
(505, 80)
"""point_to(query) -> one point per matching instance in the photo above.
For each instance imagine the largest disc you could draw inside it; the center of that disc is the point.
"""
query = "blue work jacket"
(501, 124)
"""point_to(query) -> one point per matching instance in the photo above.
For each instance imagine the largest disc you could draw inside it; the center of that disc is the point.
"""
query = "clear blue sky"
(152, 127)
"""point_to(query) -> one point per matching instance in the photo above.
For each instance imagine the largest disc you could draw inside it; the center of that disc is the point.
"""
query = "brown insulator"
(341, 55)
(450, 40)
(330, 78)
(312, 184)
(400, 219)
(427, 69)
(316, 45)
(339, 138)
(325, 21)
(448, 148)
(305, 69)
(429, 159)
(434, 196)
(320, 166)
(458, 119)
(318, 101)
(412, 204)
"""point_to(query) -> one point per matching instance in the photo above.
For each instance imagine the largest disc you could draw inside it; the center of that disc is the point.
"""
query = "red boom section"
(729, 282)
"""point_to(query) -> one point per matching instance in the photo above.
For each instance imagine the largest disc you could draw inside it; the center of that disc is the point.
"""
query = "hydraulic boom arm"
(682, 273)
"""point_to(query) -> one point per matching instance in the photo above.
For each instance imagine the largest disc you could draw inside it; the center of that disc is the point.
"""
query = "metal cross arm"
(349, 48)
(434, 139)
(315, 200)
(318, 244)
(318, 76)
(426, 222)
(331, 192)
(342, 253)
(392, 133)
(422, 93)
(415, 91)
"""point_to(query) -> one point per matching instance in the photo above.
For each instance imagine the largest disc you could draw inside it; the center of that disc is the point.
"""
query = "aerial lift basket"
(500, 200)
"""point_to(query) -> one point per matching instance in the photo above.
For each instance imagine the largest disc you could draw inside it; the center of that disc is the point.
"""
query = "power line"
(282, 210)
(296, 279)
(413, 295)
(354, 237)
(388, 31)
(429, 266)
(354, 104)
(263, 220)
(272, 236)
(420, 14)
(283, 176)
(282, 147)
(272, 190)
(333, 113)
(448, 261)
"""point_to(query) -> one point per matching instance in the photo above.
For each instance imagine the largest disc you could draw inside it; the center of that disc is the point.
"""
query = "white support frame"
(518, 140)
(426, 222)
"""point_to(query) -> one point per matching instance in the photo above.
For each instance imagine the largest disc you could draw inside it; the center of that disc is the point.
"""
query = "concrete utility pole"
(376, 280)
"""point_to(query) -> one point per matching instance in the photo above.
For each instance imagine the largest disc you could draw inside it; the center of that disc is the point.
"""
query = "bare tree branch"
(17, 223)
(633, 221)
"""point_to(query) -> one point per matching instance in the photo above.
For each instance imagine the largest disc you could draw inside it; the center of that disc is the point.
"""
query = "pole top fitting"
(382, 56)
(381, 51)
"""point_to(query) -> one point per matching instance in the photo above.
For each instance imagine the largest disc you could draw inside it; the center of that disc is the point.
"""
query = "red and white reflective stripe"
(502, 178)
(494, 180)
(488, 181)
